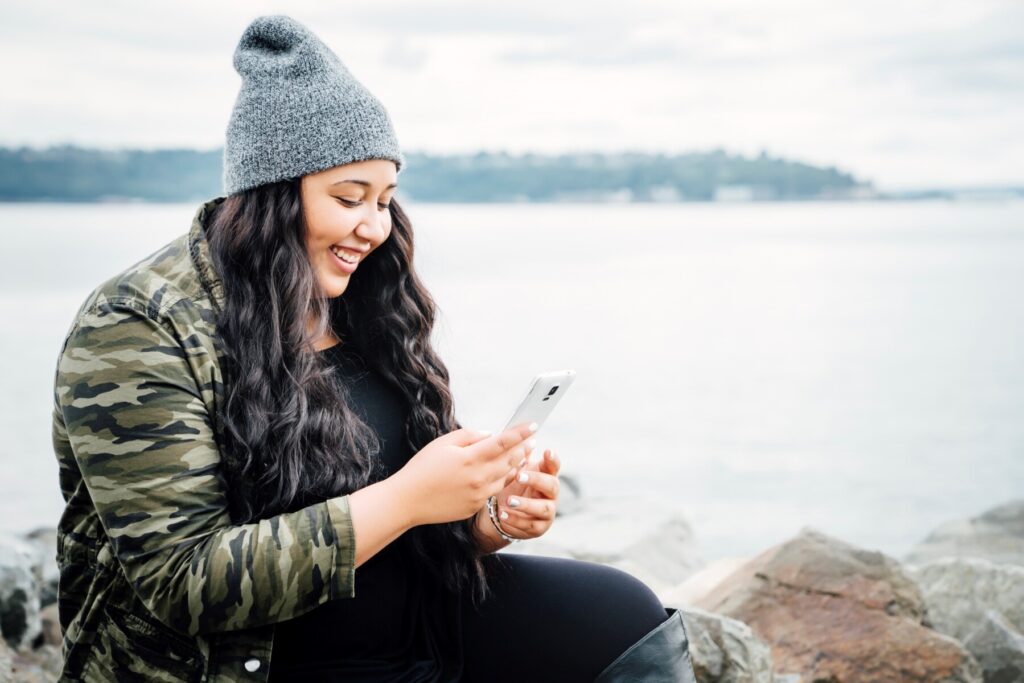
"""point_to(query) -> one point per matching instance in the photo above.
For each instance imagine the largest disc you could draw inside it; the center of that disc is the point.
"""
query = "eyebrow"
(364, 183)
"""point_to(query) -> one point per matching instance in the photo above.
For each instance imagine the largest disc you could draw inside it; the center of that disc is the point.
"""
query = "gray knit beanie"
(299, 109)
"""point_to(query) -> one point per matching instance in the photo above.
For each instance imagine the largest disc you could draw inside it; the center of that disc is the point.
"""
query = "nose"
(375, 228)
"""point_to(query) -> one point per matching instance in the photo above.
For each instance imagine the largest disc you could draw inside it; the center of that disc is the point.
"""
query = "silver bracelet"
(494, 519)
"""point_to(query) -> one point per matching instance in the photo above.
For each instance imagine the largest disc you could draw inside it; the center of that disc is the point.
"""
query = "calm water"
(854, 367)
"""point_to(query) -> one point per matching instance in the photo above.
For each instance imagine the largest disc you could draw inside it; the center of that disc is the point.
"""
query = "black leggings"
(554, 619)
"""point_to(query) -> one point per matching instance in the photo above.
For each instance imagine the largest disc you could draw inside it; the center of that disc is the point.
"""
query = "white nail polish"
(534, 426)
(523, 477)
(504, 515)
(513, 502)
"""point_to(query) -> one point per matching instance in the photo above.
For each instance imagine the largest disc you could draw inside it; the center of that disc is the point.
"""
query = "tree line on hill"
(77, 174)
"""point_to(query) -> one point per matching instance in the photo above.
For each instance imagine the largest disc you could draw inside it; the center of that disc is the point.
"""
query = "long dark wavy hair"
(290, 434)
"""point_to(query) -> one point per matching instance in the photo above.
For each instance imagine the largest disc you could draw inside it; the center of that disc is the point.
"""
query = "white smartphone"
(545, 391)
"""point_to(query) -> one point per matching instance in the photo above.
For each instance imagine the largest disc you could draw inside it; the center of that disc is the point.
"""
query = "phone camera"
(553, 390)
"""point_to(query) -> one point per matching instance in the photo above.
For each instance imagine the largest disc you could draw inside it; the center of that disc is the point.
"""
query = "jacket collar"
(199, 250)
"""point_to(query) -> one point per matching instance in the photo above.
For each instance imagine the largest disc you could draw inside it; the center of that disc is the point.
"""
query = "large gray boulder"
(996, 535)
(19, 593)
(981, 604)
(43, 544)
(725, 650)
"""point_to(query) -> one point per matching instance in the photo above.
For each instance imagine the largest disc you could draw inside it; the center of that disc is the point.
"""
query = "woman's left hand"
(537, 499)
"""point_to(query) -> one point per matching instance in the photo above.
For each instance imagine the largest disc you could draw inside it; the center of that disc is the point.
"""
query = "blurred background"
(782, 244)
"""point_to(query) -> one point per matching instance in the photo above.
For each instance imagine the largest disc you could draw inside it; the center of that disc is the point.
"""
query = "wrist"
(486, 535)
(403, 499)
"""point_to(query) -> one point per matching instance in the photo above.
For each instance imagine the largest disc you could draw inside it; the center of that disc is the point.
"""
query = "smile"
(345, 260)
(346, 255)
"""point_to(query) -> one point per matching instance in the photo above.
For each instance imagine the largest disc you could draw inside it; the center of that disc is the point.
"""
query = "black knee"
(632, 594)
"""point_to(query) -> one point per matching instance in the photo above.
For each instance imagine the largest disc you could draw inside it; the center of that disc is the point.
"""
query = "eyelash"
(382, 207)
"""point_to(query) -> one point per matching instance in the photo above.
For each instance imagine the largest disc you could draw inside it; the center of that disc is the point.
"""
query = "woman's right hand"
(452, 477)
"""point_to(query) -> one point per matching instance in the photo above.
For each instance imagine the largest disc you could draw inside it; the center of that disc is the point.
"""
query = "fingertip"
(554, 462)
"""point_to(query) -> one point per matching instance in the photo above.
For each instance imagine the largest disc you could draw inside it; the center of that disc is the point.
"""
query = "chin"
(333, 287)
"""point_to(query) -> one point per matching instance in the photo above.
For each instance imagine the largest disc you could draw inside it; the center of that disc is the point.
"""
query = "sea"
(853, 367)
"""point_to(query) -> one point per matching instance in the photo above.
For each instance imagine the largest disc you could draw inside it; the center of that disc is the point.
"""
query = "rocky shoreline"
(815, 609)
(811, 609)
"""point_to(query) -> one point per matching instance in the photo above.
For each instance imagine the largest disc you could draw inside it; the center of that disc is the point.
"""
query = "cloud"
(404, 54)
(905, 93)
(985, 56)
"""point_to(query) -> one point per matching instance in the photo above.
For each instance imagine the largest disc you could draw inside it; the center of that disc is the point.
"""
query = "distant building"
(742, 193)
(665, 193)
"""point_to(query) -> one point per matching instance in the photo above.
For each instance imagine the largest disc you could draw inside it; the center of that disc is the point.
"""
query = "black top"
(401, 625)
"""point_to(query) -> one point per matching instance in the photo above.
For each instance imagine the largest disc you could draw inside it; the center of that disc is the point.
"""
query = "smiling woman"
(263, 472)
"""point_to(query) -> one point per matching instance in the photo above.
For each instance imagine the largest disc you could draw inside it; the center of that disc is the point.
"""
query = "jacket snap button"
(252, 664)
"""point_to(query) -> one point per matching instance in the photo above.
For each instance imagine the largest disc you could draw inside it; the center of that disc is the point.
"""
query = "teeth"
(345, 256)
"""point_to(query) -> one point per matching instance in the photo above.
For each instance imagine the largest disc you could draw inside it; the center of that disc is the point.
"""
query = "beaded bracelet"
(494, 519)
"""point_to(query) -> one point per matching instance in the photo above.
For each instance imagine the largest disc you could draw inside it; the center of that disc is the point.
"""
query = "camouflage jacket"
(156, 582)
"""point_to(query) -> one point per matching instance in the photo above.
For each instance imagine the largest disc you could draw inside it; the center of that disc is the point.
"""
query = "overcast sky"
(905, 93)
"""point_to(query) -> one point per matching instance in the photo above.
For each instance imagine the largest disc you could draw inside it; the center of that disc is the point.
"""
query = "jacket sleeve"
(143, 439)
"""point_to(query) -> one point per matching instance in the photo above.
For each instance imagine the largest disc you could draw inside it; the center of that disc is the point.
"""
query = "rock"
(833, 612)
(50, 619)
(538, 546)
(19, 593)
(42, 665)
(724, 650)
(996, 535)
(27, 665)
(645, 536)
(6, 663)
(701, 582)
(43, 542)
(570, 495)
(981, 604)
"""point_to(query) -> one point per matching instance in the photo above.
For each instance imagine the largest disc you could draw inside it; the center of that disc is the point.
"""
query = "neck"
(326, 340)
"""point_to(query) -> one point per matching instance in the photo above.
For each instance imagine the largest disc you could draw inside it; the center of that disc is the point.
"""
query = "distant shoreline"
(71, 173)
(84, 175)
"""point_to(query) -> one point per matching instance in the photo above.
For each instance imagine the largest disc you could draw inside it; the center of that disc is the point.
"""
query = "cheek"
(315, 249)
(317, 238)
(323, 218)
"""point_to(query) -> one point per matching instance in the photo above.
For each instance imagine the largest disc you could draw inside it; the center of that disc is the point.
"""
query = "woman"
(254, 412)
